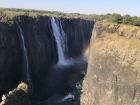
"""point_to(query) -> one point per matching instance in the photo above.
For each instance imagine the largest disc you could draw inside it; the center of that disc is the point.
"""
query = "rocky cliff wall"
(113, 75)
(41, 50)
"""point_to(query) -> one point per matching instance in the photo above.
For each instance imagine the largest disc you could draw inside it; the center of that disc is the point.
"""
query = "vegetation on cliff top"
(125, 37)
(126, 19)
(8, 14)
(128, 31)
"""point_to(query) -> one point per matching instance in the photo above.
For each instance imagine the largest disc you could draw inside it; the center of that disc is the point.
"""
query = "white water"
(67, 97)
(60, 38)
(78, 86)
(26, 57)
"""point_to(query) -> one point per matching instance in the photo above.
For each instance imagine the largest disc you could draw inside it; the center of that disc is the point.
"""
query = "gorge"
(45, 52)
(70, 61)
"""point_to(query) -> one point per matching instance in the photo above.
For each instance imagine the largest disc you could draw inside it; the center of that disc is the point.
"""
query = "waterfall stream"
(25, 57)
(60, 38)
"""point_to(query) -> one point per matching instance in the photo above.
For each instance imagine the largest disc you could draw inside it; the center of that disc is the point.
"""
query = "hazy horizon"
(130, 7)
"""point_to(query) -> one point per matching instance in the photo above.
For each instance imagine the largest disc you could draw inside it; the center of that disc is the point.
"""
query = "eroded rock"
(113, 75)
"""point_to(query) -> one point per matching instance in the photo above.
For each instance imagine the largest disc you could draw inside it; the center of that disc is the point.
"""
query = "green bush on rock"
(23, 86)
(18, 96)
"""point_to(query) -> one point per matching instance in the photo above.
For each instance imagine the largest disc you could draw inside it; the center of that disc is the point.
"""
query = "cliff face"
(113, 75)
(10, 58)
(41, 50)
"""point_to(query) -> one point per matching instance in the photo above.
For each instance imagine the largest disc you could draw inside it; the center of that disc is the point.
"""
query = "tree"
(117, 18)
(127, 19)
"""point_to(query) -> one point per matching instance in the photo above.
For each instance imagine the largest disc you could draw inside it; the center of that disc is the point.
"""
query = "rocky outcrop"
(41, 50)
(113, 75)
(18, 96)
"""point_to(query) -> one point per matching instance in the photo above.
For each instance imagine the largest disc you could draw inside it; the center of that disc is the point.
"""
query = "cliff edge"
(113, 75)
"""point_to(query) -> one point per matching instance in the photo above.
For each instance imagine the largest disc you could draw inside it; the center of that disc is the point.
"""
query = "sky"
(123, 7)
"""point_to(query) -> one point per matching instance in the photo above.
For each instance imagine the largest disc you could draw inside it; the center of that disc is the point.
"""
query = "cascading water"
(60, 38)
(25, 57)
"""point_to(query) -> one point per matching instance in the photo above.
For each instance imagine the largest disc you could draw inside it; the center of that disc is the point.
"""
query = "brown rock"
(113, 76)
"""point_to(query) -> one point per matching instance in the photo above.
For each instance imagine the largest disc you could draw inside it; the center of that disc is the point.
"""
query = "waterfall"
(60, 38)
(25, 57)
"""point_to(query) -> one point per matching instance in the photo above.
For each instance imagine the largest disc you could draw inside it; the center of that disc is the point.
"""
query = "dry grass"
(125, 50)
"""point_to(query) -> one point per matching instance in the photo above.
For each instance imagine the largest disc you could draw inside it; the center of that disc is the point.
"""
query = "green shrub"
(18, 96)
(23, 86)
(117, 18)
(127, 19)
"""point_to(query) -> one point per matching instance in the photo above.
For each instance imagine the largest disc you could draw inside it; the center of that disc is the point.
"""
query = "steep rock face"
(10, 58)
(113, 76)
(78, 35)
(41, 50)
(40, 45)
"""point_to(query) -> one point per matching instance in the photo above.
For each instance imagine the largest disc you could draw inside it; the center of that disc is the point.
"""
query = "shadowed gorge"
(29, 53)
(48, 60)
